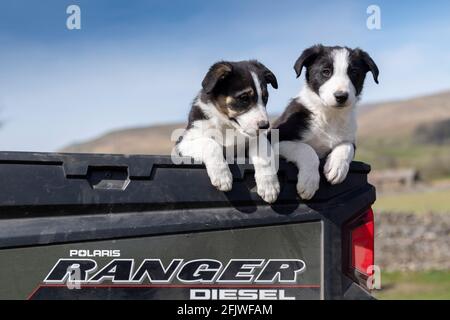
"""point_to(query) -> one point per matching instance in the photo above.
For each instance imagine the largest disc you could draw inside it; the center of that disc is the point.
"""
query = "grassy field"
(415, 286)
(416, 202)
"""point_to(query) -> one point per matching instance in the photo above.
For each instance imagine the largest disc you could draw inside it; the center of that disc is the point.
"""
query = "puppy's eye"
(326, 72)
(352, 71)
(244, 97)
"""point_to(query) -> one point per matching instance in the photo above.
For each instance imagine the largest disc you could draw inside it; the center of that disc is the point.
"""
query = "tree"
(437, 133)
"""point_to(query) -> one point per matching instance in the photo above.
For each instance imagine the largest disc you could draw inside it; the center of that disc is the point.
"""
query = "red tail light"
(359, 247)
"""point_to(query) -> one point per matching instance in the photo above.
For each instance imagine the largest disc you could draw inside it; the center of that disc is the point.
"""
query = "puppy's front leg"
(338, 163)
(307, 162)
(210, 153)
(263, 159)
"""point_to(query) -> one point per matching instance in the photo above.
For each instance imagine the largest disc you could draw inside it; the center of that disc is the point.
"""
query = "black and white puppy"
(320, 123)
(233, 98)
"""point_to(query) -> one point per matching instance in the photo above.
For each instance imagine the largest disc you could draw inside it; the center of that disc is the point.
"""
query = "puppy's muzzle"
(341, 97)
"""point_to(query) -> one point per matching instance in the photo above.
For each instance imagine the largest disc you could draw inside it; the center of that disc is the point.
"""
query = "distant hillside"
(401, 118)
(409, 133)
(145, 140)
(390, 119)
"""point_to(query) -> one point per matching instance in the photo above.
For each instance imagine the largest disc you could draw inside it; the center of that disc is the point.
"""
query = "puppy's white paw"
(221, 177)
(308, 183)
(336, 169)
(268, 187)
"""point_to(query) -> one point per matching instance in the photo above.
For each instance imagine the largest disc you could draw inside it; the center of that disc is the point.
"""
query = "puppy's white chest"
(325, 136)
(321, 142)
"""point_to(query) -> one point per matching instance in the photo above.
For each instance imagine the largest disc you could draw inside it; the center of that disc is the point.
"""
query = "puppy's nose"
(341, 96)
(264, 124)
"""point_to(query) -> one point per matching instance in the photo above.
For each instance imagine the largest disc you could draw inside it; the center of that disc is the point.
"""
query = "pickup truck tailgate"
(79, 226)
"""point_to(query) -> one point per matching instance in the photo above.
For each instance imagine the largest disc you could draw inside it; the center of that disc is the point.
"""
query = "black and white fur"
(233, 97)
(320, 122)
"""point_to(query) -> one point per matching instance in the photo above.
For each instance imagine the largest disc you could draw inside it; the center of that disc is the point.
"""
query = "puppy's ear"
(307, 58)
(216, 73)
(269, 76)
(370, 64)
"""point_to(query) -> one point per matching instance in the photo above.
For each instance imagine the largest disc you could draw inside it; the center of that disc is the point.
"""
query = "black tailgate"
(147, 207)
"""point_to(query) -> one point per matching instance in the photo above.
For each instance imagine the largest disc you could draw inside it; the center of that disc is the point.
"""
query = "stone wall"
(412, 242)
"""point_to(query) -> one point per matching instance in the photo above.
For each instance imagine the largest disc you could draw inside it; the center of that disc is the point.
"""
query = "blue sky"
(136, 63)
